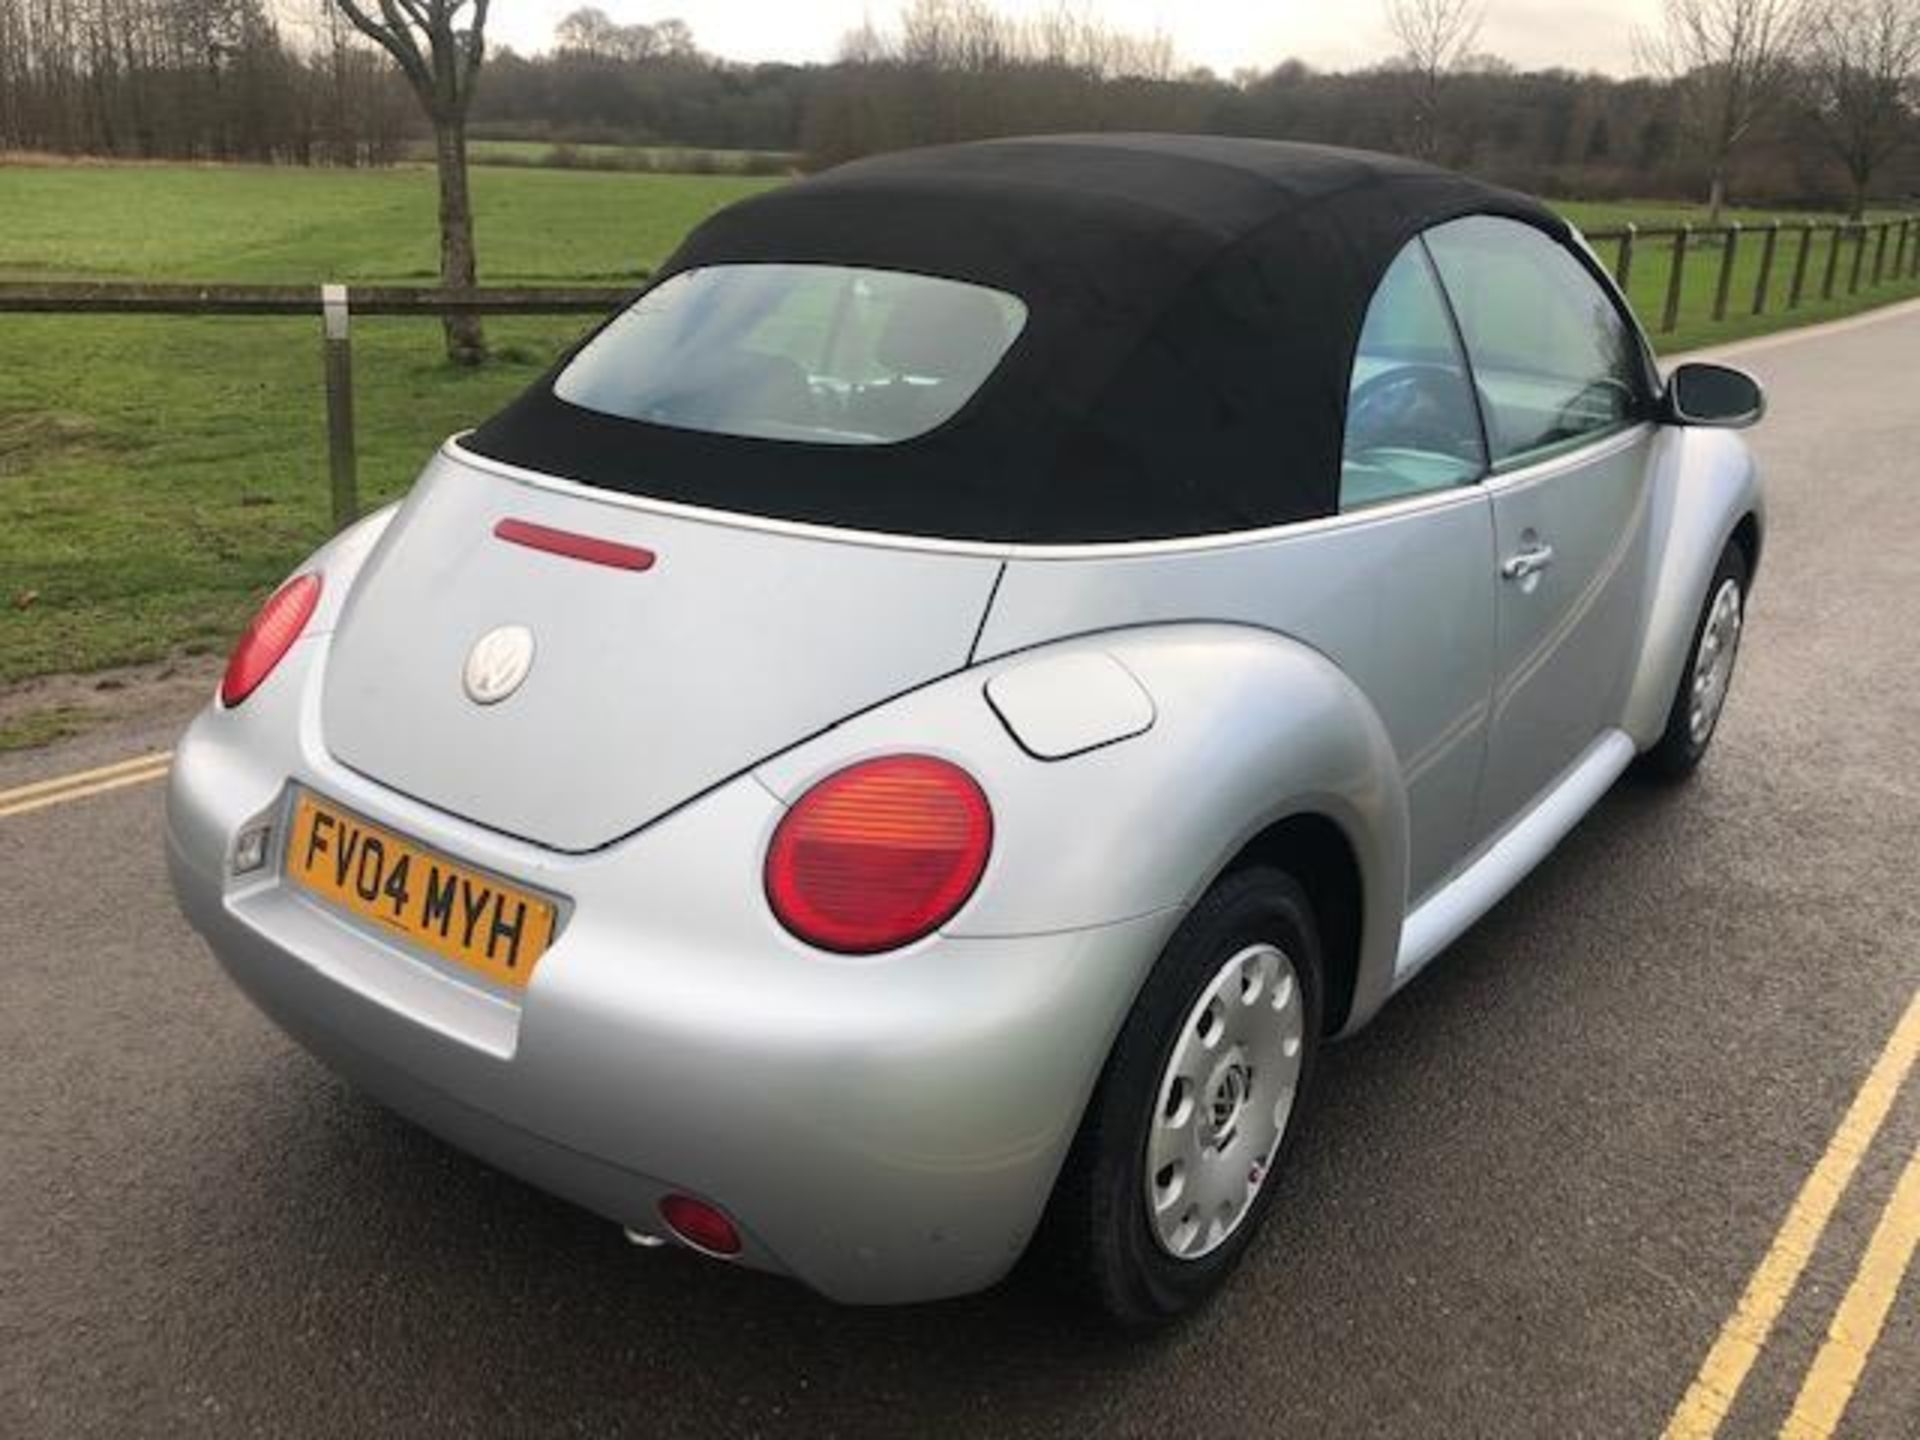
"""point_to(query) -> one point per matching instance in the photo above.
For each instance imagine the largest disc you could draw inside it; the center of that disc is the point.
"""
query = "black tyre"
(1704, 683)
(1169, 1178)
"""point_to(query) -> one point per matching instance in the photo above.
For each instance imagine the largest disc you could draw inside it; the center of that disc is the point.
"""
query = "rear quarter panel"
(1399, 598)
(1249, 728)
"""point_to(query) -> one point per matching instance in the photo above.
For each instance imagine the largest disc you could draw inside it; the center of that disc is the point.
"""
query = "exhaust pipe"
(644, 1239)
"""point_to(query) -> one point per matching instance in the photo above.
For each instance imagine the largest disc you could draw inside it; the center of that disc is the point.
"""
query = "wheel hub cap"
(1713, 662)
(1224, 1099)
(1230, 1089)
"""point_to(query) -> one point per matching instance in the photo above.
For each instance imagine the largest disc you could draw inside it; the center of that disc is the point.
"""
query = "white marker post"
(339, 370)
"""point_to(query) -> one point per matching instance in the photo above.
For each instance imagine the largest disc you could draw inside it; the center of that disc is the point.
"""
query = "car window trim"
(981, 549)
(1540, 465)
(1460, 349)
(1540, 454)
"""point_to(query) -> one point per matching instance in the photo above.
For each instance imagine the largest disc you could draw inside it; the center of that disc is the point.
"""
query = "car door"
(1418, 637)
(1563, 384)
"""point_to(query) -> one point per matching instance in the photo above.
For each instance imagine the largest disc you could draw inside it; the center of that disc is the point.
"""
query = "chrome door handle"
(1530, 561)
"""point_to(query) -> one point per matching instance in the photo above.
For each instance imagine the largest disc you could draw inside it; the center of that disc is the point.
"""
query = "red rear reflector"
(879, 854)
(701, 1225)
(270, 635)
(574, 547)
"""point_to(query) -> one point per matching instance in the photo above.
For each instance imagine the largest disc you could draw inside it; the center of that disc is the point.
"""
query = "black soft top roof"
(1194, 304)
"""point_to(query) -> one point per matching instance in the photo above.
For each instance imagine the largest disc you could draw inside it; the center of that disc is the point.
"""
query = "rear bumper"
(882, 1129)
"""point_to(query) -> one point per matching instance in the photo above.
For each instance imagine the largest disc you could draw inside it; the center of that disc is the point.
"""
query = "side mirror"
(1702, 394)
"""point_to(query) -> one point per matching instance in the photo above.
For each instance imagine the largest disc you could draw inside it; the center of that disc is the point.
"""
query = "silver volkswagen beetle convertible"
(911, 736)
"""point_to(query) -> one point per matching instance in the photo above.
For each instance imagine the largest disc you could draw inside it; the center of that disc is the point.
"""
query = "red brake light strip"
(574, 547)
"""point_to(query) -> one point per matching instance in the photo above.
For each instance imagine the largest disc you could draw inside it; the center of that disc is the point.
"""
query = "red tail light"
(269, 637)
(701, 1225)
(879, 854)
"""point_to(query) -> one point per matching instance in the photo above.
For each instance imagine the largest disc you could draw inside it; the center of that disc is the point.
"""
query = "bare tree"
(1730, 63)
(441, 61)
(586, 31)
(1435, 37)
(1861, 68)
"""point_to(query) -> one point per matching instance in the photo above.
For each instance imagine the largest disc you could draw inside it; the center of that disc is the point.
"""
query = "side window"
(1411, 425)
(1555, 361)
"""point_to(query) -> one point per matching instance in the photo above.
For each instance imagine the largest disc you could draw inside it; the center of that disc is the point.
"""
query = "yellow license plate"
(473, 919)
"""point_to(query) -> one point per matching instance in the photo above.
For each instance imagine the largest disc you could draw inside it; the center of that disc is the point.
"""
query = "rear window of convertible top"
(824, 354)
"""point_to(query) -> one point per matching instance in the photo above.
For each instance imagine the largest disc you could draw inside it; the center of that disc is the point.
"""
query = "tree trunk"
(1858, 209)
(465, 343)
(1716, 196)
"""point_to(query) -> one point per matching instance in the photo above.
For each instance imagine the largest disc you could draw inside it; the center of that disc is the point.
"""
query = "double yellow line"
(42, 794)
(1830, 1381)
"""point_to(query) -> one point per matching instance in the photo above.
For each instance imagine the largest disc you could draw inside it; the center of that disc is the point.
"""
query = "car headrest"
(942, 335)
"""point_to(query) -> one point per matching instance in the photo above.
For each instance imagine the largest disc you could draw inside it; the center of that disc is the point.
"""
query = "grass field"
(158, 222)
(158, 474)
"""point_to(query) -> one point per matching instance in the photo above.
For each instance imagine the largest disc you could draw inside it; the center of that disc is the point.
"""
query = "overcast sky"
(1225, 34)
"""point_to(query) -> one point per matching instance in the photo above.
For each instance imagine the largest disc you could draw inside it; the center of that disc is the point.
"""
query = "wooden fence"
(335, 305)
(1795, 260)
(1777, 281)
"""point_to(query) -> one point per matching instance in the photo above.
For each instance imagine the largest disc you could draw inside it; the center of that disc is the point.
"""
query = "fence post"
(1623, 267)
(1913, 253)
(1880, 252)
(1900, 250)
(1859, 254)
(1766, 268)
(1672, 316)
(1833, 262)
(1800, 265)
(1727, 256)
(339, 368)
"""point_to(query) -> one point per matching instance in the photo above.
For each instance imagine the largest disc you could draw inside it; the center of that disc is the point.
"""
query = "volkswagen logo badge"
(498, 664)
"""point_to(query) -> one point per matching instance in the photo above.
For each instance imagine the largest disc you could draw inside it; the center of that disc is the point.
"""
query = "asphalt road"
(1530, 1198)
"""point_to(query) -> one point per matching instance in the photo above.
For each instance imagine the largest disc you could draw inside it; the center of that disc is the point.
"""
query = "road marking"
(25, 799)
(1713, 1390)
(81, 777)
(1856, 1324)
